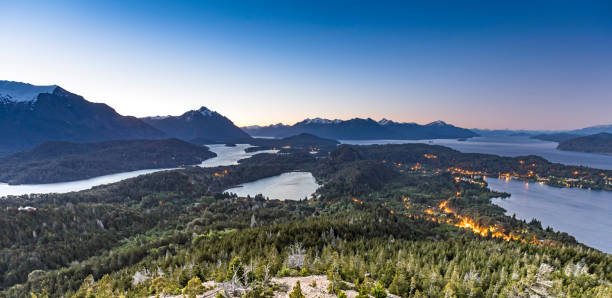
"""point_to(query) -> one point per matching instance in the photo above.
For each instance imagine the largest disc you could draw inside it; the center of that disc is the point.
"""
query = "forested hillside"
(373, 228)
(66, 161)
(298, 143)
(428, 158)
(597, 143)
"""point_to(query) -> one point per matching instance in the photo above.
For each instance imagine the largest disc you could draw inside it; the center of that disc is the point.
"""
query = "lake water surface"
(63, 187)
(584, 214)
(287, 186)
(225, 156)
(509, 146)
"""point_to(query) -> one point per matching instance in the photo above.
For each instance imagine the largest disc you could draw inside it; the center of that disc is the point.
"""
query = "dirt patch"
(310, 290)
(306, 283)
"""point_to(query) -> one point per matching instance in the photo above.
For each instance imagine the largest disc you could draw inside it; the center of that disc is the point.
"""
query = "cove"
(582, 213)
(226, 155)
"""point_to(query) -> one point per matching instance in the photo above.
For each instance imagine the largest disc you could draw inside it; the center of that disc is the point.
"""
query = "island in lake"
(301, 142)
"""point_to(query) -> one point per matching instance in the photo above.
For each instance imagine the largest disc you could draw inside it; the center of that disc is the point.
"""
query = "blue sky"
(535, 64)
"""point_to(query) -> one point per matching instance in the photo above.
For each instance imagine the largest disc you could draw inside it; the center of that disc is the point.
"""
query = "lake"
(229, 155)
(63, 187)
(509, 146)
(287, 186)
(584, 214)
(225, 156)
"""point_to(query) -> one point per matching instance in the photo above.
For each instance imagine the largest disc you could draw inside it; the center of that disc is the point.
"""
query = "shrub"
(297, 291)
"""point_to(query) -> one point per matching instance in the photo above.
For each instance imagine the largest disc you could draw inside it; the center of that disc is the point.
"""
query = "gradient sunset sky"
(518, 65)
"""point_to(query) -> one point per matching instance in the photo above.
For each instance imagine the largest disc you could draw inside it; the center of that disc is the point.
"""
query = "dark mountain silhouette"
(362, 129)
(31, 115)
(201, 124)
(597, 143)
(555, 137)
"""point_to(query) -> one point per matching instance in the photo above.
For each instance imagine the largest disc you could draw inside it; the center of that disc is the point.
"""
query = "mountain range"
(546, 135)
(31, 115)
(362, 129)
(591, 130)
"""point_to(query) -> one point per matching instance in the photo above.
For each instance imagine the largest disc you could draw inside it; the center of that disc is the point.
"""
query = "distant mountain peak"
(384, 121)
(31, 115)
(196, 114)
(205, 111)
(363, 129)
(594, 129)
(22, 92)
(202, 124)
(319, 120)
(158, 117)
(437, 123)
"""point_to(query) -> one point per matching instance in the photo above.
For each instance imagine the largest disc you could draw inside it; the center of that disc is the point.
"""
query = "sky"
(476, 64)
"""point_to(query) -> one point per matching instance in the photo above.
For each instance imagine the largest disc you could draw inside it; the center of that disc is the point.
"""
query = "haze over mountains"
(547, 135)
(31, 115)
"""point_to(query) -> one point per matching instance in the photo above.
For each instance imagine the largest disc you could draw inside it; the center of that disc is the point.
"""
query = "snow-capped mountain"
(320, 121)
(438, 123)
(12, 92)
(361, 129)
(31, 115)
(384, 121)
(202, 124)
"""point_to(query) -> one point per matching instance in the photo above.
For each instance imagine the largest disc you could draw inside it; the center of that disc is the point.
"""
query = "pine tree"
(297, 291)
(399, 286)
(234, 267)
(193, 288)
(183, 278)
(379, 291)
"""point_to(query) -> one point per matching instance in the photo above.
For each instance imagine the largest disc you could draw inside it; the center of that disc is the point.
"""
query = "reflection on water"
(227, 156)
(287, 186)
(584, 214)
(509, 146)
